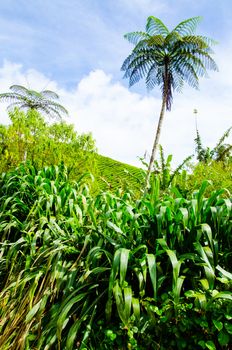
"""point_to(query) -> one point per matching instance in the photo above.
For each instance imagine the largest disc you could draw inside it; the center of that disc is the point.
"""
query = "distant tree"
(26, 99)
(167, 59)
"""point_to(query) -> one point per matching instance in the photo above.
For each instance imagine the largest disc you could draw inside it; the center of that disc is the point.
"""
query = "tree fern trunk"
(155, 144)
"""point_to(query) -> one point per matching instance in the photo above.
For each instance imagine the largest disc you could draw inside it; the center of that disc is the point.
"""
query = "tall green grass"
(111, 271)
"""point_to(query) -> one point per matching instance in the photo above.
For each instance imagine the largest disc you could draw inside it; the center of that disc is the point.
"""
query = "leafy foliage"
(164, 171)
(30, 137)
(219, 174)
(109, 271)
(221, 152)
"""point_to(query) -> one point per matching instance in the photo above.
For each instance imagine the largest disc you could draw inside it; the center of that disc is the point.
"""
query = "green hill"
(112, 174)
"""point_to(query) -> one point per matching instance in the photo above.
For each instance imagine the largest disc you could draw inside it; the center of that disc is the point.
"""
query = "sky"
(76, 48)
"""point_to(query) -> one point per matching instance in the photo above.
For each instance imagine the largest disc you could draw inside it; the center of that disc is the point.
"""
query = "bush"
(219, 173)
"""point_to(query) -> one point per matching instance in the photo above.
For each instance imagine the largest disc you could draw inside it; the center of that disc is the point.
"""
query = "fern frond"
(221, 155)
(13, 105)
(135, 37)
(9, 96)
(49, 94)
(156, 27)
(187, 26)
(224, 136)
(151, 79)
(199, 41)
(19, 89)
(156, 41)
(172, 37)
(187, 72)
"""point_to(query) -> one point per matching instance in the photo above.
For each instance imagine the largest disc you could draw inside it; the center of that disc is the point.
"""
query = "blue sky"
(77, 47)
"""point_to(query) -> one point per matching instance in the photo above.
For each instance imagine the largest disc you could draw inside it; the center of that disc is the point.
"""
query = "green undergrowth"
(111, 271)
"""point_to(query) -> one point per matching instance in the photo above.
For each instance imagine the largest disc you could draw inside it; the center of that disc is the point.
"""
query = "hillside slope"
(112, 174)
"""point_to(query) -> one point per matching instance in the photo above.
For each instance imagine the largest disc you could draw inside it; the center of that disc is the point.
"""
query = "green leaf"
(151, 260)
(206, 229)
(185, 215)
(202, 343)
(86, 313)
(114, 227)
(228, 327)
(209, 271)
(33, 311)
(224, 272)
(228, 317)
(127, 302)
(66, 311)
(204, 283)
(223, 338)
(112, 279)
(124, 254)
(210, 345)
(136, 307)
(123, 306)
(218, 325)
(223, 295)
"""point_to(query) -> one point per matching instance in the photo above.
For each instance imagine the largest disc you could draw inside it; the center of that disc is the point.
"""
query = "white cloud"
(142, 6)
(123, 122)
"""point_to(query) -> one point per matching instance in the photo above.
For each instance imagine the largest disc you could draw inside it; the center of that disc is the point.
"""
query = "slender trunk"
(158, 130)
(156, 142)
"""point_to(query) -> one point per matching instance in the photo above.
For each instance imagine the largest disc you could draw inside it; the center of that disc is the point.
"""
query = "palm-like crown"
(25, 99)
(168, 59)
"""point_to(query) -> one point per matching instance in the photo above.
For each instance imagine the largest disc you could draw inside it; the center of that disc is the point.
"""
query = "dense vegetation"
(109, 271)
(30, 136)
(87, 261)
(97, 254)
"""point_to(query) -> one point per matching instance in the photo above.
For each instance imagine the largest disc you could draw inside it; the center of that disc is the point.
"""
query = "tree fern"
(168, 59)
(27, 99)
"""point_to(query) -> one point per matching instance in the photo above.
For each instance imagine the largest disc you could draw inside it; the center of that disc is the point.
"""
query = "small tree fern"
(26, 99)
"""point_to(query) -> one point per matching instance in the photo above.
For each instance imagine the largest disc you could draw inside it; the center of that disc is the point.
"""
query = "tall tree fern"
(168, 59)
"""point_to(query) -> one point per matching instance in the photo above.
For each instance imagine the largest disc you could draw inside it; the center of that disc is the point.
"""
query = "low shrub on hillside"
(219, 173)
